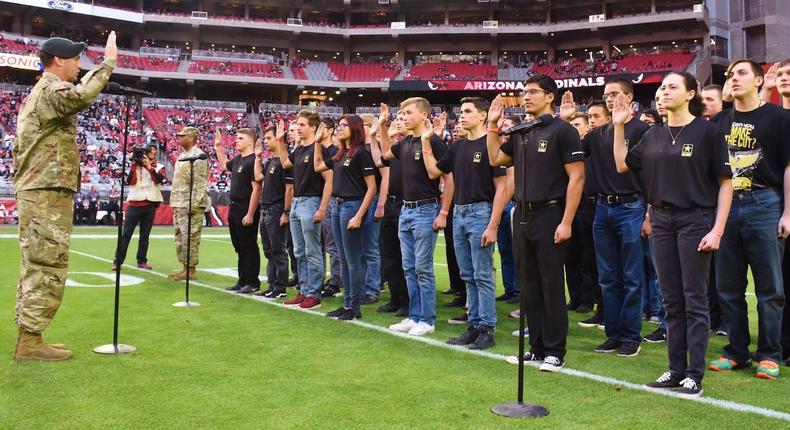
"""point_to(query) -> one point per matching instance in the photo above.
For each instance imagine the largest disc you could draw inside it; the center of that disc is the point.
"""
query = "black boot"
(484, 340)
(468, 337)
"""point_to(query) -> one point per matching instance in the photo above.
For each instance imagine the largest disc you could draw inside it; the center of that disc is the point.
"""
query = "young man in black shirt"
(548, 186)
(311, 201)
(756, 135)
(243, 213)
(619, 214)
(276, 197)
(479, 196)
(421, 217)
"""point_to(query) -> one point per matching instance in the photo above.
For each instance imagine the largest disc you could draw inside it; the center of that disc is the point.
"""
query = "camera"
(138, 154)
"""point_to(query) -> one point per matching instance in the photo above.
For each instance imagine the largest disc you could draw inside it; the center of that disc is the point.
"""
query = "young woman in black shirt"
(684, 166)
(353, 189)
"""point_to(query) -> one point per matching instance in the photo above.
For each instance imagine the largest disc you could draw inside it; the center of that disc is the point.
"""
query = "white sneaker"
(526, 332)
(551, 364)
(421, 329)
(404, 326)
(515, 314)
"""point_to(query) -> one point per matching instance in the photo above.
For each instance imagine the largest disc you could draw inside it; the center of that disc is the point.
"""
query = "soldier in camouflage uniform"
(179, 201)
(47, 168)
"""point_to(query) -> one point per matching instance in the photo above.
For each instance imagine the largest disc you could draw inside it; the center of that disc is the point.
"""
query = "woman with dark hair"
(684, 166)
(353, 189)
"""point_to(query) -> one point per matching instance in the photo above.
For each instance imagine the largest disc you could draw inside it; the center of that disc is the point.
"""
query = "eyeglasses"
(341, 126)
(612, 95)
(532, 92)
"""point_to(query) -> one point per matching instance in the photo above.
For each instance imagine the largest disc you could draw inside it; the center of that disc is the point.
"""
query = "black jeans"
(144, 216)
(245, 243)
(391, 260)
(456, 283)
(581, 271)
(274, 242)
(539, 262)
(785, 337)
(683, 274)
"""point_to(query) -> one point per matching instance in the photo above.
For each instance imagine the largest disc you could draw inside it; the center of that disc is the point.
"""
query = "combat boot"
(175, 275)
(29, 346)
(182, 276)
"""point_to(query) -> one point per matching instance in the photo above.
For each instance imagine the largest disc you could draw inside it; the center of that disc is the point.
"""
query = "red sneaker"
(296, 301)
(311, 303)
(144, 266)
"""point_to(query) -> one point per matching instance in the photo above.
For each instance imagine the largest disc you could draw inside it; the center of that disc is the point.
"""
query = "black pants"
(683, 275)
(714, 309)
(245, 243)
(391, 260)
(581, 271)
(290, 245)
(144, 216)
(274, 241)
(786, 315)
(456, 283)
(539, 262)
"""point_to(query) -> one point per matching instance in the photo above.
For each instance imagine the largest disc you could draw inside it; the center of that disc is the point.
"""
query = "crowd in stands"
(261, 70)
(451, 71)
(163, 64)
(20, 45)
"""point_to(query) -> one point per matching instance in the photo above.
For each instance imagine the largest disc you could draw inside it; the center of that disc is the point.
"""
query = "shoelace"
(689, 383)
(666, 377)
(554, 361)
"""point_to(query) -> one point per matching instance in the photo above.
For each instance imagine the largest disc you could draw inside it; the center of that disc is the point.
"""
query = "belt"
(533, 206)
(591, 199)
(343, 200)
(418, 203)
(617, 199)
(395, 199)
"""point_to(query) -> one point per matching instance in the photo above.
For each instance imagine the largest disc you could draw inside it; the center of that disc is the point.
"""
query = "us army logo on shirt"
(347, 162)
(627, 142)
(477, 157)
(417, 154)
(272, 170)
(543, 144)
(307, 158)
(239, 169)
(687, 150)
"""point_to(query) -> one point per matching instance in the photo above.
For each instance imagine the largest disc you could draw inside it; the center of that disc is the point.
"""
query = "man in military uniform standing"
(179, 201)
(47, 168)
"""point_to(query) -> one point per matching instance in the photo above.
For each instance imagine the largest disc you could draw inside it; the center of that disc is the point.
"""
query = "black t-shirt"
(274, 180)
(376, 173)
(396, 177)
(474, 178)
(416, 184)
(598, 146)
(348, 179)
(242, 176)
(758, 145)
(307, 183)
(686, 174)
(591, 187)
(539, 158)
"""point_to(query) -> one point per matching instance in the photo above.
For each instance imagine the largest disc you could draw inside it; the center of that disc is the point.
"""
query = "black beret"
(63, 48)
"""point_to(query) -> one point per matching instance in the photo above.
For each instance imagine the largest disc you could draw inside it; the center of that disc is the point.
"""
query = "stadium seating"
(364, 72)
(229, 67)
(451, 71)
(156, 64)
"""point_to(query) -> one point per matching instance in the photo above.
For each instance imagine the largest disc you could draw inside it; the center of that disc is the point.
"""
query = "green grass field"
(240, 363)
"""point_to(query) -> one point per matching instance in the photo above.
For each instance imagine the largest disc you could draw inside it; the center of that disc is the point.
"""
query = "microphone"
(116, 88)
(526, 127)
(202, 156)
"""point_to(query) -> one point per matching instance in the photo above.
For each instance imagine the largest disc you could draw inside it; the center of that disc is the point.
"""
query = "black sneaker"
(466, 338)
(402, 312)
(349, 314)
(504, 297)
(721, 330)
(262, 293)
(274, 294)
(528, 357)
(658, 336)
(629, 349)
(484, 340)
(457, 302)
(337, 312)
(248, 289)
(387, 308)
(584, 309)
(459, 320)
(330, 291)
(665, 381)
(450, 291)
(552, 364)
(611, 345)
(293, 281)
(235, 287)
(368, 299)
(689, 389)
(595, 321)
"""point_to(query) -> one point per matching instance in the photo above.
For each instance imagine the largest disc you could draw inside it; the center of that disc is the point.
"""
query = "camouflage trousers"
(45, 225)
(180, 217)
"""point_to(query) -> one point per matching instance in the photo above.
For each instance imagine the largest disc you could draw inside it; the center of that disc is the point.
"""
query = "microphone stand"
(186, 303)
(115, 348)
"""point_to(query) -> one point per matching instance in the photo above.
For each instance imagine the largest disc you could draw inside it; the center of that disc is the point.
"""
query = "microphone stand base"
(111, 349)
(186, 304)
(519, 410)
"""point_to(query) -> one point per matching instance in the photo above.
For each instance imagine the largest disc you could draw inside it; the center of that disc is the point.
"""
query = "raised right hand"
(111, 49)
(568, 106)
(620, 110)
(495, 111)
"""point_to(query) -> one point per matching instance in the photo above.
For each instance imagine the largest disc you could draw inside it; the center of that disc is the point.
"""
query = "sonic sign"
(463, 85)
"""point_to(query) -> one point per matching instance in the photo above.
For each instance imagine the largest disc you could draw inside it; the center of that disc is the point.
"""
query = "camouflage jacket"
(45, 152)
(179, 193)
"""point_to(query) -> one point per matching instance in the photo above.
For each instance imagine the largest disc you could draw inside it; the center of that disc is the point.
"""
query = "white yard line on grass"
(723, 404)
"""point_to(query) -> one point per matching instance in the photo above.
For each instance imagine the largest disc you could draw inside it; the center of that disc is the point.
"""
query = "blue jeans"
(750, 240)
(651, 294)
(504, 238)
(307, 245)
(417, 242)
(372, 261)
(349, 245)
(621, 270)
(476, 263)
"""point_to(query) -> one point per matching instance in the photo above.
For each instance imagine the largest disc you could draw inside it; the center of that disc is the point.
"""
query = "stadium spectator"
(711, 100)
